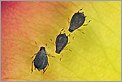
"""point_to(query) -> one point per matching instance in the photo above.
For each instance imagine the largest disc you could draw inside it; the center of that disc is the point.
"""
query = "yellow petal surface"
(93, 52)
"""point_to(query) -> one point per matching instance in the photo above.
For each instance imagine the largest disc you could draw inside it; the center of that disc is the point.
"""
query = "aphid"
(61, 42)
(41, 60)
(77, 20)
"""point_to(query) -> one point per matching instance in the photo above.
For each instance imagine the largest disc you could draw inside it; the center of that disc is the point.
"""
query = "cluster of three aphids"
(41, 60)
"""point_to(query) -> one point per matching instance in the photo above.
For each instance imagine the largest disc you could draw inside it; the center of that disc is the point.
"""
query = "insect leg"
(33, 55)
(62, 30)
(87, 23)
(46, 44)
(36, 44)
(68, 21)
(52, 41)
(32, 67)
(61, 57)
(81, 31)
(50, 55)
(68, 49)
(69, 34)
(72, 37)
(44, 70)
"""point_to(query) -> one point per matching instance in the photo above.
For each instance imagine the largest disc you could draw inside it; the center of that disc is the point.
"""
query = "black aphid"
(61, 42)
(41, 60)
(77, 20)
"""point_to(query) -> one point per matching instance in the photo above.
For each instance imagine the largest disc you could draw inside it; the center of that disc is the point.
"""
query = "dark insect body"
(41, 60)
(61, 42)
(77, 20)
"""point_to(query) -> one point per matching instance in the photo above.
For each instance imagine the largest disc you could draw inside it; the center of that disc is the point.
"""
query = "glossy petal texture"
(95, 55)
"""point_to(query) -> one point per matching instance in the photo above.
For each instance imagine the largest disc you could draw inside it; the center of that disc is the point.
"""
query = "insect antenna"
(62, 31)
(69, 35)
(33, 55)
(80, 10)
